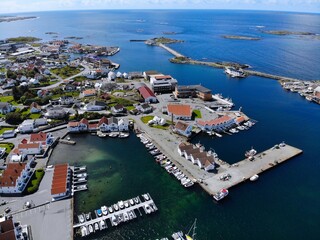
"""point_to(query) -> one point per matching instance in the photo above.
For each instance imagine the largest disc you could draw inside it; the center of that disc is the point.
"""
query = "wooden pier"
(115, 214)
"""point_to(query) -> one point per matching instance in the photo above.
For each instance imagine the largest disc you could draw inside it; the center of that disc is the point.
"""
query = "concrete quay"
(241, 171)
(246, 168)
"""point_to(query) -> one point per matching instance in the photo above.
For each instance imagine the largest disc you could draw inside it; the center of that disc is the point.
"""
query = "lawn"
(26, 114)
(8, 99)
(2, 129)
(66, 71)
(196, 114)
(7, 146)
(146, 119)
(34, 182)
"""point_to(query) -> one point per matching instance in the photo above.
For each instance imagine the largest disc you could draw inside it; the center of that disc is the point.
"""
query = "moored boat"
(254, 177)
(221, 194)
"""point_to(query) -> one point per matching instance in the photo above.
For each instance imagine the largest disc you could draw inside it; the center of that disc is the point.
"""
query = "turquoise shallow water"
(284, 203)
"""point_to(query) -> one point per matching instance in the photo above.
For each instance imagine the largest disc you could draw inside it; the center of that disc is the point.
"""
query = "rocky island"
(162, 40)
(238, 37)
(285, 32)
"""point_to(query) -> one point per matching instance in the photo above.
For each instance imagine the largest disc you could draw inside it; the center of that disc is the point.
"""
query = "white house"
(103, 124)
(123, 124)
(113, 124)
(119, 108)
(66, 100)
(81, 126)
(6, 107)
(27, 126)
(144, 108)
(95, 106)
(182, 128)
(29, 148)
(15, 177)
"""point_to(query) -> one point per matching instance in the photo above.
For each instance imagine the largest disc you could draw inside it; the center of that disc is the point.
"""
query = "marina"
(115, 214)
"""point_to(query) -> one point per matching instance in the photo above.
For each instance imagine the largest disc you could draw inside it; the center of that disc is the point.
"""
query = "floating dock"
(124, 214)
(65, 141)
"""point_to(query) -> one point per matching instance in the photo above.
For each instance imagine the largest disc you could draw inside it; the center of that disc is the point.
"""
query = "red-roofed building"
(45, 139)
(8, 231)
(61, 182)
(218, 124)
(147, 94)
(183, 129)
(81, 126)
(30, 148)
(15, 178)
(180, 111)
(103, 124)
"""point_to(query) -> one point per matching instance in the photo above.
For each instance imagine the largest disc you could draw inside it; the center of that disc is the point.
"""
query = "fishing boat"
(221, 194)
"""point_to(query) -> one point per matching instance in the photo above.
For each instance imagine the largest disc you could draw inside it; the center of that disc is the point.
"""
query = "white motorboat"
(102, 225)
(96, 226)
(90, 228)
(110, 209)
(115, 207)
(104, 210)
(254, 178)
(121, 204)
(126, 204)
(131, 202)
(250, 153)
(145, 196)
(84, 231)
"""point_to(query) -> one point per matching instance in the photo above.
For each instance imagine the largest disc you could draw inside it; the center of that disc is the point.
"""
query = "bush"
(34, 182)
(13, 118)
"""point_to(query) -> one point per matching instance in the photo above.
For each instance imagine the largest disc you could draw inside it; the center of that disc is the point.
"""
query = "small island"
(20, 39)
(238, 37)
(285, 32)
(73, 37)
(14, 18)
(51, 33)
(162, 40)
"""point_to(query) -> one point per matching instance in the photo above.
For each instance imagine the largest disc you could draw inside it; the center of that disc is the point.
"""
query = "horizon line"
(163, 9)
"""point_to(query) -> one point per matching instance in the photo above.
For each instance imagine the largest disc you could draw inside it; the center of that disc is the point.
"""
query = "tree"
(13, 118)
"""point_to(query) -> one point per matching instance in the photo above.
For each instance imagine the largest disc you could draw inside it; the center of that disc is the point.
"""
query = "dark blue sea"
(285, 202)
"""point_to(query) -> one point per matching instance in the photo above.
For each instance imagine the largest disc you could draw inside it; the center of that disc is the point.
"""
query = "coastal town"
(53, 90)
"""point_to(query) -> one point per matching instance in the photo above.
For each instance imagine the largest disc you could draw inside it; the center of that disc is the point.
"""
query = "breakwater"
(181, 59)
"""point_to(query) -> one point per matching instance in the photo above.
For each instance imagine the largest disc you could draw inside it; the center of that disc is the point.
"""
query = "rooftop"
(180, 110)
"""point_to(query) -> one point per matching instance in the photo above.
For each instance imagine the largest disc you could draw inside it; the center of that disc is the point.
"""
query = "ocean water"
(284, 203)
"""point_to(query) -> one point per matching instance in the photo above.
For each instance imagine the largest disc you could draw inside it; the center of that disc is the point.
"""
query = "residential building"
(193, 91)
(197, 155)
(317, 92)
(123, 124)
(8, 231)
(6, 107)
(56, 113)
(144, 108)
(8, 134)
(27, 126)
(147, 94)
(218, 124)
(103, 124)
(35, 108)
(15, 178)
(163, 83)
(29, 148)
(119, 108)
(113, 124)
(66, 100)
(89, 93)
(95, 106)
(182, 128)
(180, 111)
(45, 139)
(61, 182)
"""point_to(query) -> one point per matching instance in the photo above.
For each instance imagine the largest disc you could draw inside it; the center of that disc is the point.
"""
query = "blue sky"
(12, 6)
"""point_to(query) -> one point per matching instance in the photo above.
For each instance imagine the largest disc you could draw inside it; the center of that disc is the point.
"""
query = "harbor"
(115, 214)
(225, 175)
